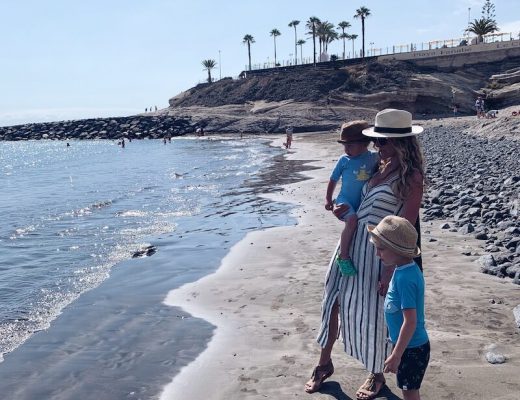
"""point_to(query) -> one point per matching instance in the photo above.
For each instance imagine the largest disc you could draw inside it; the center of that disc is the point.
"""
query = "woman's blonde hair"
(411, 161)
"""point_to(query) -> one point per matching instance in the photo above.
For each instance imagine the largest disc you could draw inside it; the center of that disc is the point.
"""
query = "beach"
(265, 303)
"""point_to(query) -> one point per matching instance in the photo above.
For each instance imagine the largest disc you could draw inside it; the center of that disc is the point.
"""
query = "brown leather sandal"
(320, 373)
(371, 388)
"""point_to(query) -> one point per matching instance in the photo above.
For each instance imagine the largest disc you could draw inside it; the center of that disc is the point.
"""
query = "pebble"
(516, 313)
(493, 356)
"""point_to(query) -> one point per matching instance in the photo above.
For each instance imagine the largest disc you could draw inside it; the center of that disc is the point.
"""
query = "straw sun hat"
(397, 234)
(392, 123)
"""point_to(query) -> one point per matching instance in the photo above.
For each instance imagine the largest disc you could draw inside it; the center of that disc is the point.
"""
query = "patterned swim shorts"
(413, 366)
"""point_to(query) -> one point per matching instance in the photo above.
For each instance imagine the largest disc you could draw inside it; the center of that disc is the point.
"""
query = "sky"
(73, 59)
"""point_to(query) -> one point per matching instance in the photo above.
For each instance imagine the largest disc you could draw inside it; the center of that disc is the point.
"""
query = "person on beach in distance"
(395, 189)
(288, 139)
(479, 106)
(353, 168)
(395, 240)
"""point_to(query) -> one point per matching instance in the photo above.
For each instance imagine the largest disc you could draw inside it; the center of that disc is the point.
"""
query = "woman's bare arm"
(413, 201)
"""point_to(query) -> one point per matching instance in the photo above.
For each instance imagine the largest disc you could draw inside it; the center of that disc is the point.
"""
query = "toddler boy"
(354, 168)
(395, 239)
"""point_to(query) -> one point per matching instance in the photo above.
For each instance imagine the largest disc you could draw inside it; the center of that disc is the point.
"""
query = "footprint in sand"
(289, 359)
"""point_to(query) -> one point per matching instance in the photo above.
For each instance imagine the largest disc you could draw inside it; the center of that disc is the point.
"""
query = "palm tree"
(481, 27)
(300, 43)
(274, 33)
(294, 23)
(343, 25)
(352, 37)
(344, 36)
(209, 65)
(362, 12)
(248, 39)
(312, 24)
(329, 35)
(320, 32)
(326, 35)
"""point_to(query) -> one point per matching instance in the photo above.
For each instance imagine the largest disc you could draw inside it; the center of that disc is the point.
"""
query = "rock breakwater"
(474, 183)
(134, 127)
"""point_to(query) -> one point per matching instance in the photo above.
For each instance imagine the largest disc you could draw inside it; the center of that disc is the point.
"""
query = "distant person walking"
(288, 139)
(479, 107)
(455, 110)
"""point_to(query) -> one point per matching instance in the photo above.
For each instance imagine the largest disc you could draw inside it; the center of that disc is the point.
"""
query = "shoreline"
(266, 304)
(99, 336)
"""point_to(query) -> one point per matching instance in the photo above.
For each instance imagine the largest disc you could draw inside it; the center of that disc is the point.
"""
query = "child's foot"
(346, 267)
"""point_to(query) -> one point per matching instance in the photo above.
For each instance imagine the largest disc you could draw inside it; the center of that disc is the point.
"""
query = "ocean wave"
(21, 232)
(132, 213)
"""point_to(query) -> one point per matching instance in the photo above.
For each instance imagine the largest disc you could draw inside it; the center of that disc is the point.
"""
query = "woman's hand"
(340, 210)
(382, 288)
(329, 205)
(384, 281)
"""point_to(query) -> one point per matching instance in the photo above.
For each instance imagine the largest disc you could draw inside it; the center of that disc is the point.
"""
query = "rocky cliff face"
(320, 99)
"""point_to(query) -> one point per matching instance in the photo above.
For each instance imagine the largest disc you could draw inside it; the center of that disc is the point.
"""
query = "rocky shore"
(474, 185)
(134, 127)
(265, 301)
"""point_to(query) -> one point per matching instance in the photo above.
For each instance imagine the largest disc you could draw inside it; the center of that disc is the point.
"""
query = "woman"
(396, 188)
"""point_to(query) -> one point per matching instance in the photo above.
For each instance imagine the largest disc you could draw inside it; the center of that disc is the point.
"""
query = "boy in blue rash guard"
(395, 239)
(354, 168)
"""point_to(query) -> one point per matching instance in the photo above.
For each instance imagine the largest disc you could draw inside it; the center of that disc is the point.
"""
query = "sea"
(94, 235)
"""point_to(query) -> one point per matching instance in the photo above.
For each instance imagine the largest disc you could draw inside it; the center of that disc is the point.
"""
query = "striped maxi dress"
(362, 323)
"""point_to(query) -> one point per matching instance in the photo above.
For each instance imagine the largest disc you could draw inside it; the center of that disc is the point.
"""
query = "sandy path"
(265, 300)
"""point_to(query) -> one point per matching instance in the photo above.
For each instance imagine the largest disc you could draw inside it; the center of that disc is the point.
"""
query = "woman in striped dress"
(395, 189)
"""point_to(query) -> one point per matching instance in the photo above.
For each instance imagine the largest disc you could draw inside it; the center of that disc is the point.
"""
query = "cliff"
(307, 98)
(320, 99)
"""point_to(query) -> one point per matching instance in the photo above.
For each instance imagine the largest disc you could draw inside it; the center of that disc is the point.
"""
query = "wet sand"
(265, 301)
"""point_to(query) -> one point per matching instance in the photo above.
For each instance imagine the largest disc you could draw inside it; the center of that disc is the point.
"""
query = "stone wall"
(456, 57)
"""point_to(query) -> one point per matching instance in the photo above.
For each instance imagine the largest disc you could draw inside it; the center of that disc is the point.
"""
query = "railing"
(396, 49)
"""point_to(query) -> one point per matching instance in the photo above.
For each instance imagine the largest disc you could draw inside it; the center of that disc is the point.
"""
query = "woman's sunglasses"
(380, 142)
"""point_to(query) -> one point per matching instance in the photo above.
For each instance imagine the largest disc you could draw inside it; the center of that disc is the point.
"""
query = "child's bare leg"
(411, 395)
(347, 235)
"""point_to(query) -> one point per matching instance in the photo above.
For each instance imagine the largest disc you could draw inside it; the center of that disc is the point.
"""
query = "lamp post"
(469, 22)
(219, 66)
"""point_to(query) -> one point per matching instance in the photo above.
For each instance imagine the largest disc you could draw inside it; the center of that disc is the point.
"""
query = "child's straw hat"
(397, 234)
